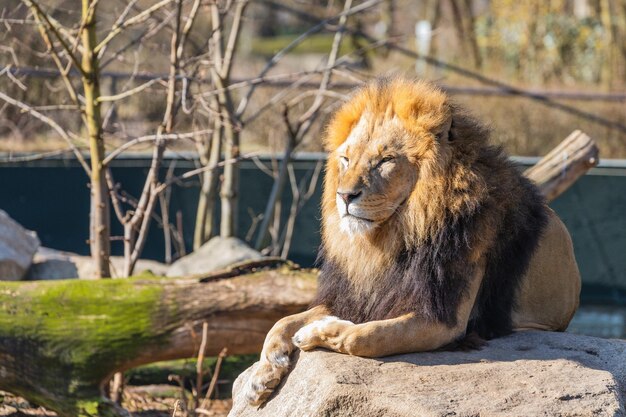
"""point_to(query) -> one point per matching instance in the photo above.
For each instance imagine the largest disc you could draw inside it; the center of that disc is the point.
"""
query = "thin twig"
(54, 125)
(232, 39)
(191, 18)
(192, 173)
(216, 372)
(45, 19)
(118, 28)
(117, 206)
(34, 157)
(152, 138)
(307, 118)
(243, 104)
(301, 201)
(262, 167)
(130, 92)
(139, 38)
(199, 362)
(164, 201)
(175, 408)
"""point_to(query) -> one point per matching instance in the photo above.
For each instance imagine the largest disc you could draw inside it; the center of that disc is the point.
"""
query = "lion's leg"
(549, 293)
(404, 334)
(274, 362)
(408, 333)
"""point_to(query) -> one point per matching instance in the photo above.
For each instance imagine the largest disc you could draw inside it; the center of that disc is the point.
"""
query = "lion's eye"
(385, 159)
(344, 161)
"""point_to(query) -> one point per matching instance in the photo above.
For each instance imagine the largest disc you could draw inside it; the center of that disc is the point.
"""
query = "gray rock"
(51, 264)
(216, 254)
(526, 374)
(54, 264)
(17, 248)
(52, 269)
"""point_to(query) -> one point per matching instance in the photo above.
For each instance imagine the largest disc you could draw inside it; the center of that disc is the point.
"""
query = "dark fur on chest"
(431, 280)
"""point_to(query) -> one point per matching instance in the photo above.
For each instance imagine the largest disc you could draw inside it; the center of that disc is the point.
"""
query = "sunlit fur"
(414, 118)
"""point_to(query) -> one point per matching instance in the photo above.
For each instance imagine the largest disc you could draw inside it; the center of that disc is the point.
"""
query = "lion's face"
(375, 176)
(389, 180)
(386, 146)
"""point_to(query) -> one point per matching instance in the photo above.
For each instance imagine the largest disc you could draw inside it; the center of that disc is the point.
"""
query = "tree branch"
(232, 39)
(129, 93)
(54, 125)
(243, 104)
(151, 138)
(42, 18)
(119, 27)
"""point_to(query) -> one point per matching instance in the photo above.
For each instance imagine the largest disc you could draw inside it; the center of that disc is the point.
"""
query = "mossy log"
(60, 341)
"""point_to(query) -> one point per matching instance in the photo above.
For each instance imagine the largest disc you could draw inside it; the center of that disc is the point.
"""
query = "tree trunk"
(230, 187)
(100, 222)
(60, 340)
(205, 213)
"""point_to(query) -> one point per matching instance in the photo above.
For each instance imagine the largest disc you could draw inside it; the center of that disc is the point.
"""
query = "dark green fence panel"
(52, 197)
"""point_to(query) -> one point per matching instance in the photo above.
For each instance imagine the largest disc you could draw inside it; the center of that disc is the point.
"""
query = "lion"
(429, 234)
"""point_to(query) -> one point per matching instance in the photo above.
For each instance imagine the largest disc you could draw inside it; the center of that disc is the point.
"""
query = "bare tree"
(225, 128)
(80, 49)
(298, 130)
(59, 40)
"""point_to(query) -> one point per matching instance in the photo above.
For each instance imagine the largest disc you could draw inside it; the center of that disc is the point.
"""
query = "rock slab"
(526, 374)
(216, 254)
(17, 248)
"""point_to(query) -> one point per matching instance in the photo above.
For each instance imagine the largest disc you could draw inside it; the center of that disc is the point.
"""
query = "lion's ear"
(446, 134)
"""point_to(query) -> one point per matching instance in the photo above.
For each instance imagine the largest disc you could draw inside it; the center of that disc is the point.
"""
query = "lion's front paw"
(264, 379)
(327, 333)
(268, 373)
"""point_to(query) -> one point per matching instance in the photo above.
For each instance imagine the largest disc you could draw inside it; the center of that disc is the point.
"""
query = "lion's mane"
(470, 203)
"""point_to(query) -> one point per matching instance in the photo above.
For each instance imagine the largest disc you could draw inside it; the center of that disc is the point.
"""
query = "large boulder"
(525, 374)
(17, 248)
(216, 254)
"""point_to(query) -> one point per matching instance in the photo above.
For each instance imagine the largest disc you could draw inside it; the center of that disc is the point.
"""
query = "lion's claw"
(264, 379)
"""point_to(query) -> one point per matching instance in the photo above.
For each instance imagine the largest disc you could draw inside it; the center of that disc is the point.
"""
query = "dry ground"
(140, 401)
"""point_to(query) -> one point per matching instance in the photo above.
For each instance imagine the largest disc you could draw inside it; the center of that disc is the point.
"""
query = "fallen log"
(60, 341)
(562, 166)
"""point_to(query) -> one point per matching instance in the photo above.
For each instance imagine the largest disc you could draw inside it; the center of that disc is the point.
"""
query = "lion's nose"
(349, 196)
